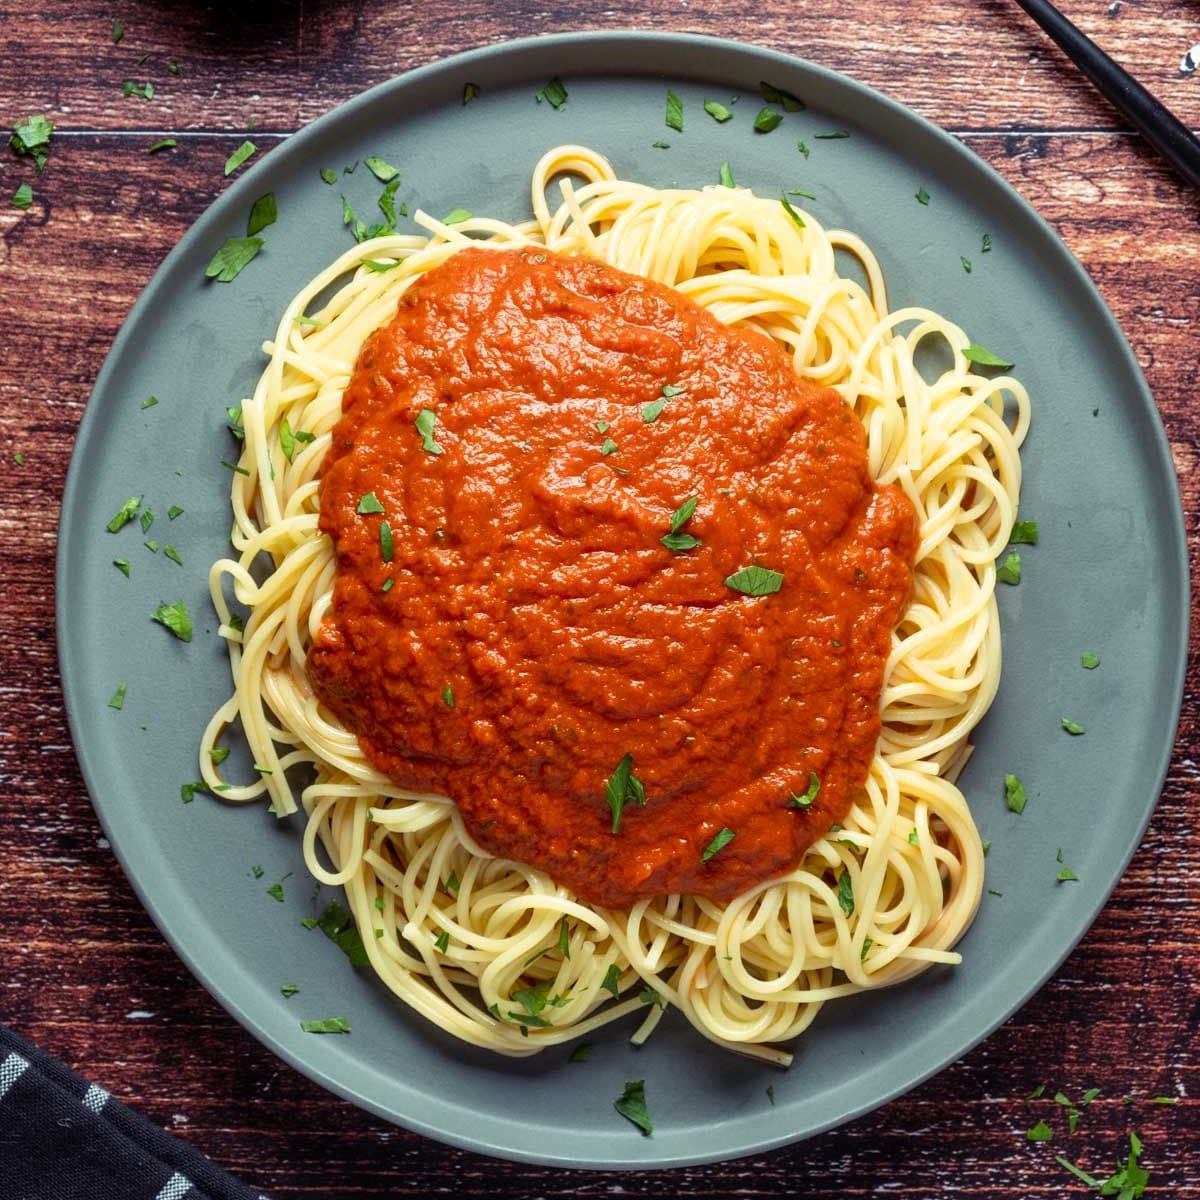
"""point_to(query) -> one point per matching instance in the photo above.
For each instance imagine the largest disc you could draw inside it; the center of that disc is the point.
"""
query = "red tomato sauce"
(523, 628)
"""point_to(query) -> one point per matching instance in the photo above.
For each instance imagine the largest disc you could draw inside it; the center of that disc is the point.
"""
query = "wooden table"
(77, 953)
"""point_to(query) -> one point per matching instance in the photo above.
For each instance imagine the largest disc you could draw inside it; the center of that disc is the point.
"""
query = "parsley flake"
(369, 503)
(632, 1106)
(755, 581)
(766, 120)
(122, 565)
(233, 257)
(23, 197)
(174, 617)
(288, 990)
(612, 980)
(275, 891)
(922, 195)
(1089, 661)
(564, 938)
(674, 112)
(118, 697)
(162, 144)
(1009, 571)
(172, 554)
(722, 839)
(383, 171)
(814, 787)
(1041, 1132)
(775, 95)
(239, 156)
(326, 1025)
(1024, 533)
(1014, 794)
(966, 263)
(671, 390)
(554, 93)
(717, 111)
(580, 1053)
(471, 91)
(443, 941)
(845, 893)
(608, 446)
(125, 514)
(328, 175)
(1072, 727)
(791, 212)
(263, 213)
(448, 696)
(623, 787)
(985, 247)
(387, 544)
(832, 136)
(31, 139)
(652, 411)
(425, 421)
(725, 177)
(981, 356)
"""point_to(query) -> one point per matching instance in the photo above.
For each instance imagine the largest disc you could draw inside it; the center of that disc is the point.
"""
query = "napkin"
(62, 1138)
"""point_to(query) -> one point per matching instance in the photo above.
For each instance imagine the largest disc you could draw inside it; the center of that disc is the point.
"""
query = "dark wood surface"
(78, 954)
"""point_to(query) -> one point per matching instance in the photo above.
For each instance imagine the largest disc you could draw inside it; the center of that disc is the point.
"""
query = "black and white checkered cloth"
(62, 1138)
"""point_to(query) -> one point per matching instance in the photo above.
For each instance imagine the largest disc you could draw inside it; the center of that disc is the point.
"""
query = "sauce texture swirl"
(507, 625)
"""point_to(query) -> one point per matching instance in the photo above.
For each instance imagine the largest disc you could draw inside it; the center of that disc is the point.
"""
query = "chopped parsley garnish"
(1072, 727)
(564, 938)
(328, 175)
(966, 263)
(554, 93)
(914, 838)
(1009, 571)
(766, 120)
(150, 402)
(383, 171)
(122, 565)
(443, 941)
(118, 31)
(22, 197)
(125, 514)
(845, 893)
(800, 192)
(1129, 1181)
(187, 791)
(612, 979)
(32, 139)
(1041, 1132)
(448, 696)
(338, 926)
(218, 754)
(162, 144)
(985, 247)
(802, 148)
(326, 1025)
(175, 618)
(660, 145)
(471, 92)
(649, 996)
(726, 176)
(677, 541)
(456, 216)
(601, 426)
(774, 95)
(425, 421)
(235, 423)
(580, 1052)
(369, 504)
(608, 446)
(263, 213)
(832, 136)
(755, 581)
(674, 112)
(922, 195)
(814, 787)
(118, 697)
(145, 92)
(717, 111)
(632, 1106)
(1024, 533)
(275, 891)
(239, 156)
(146, 520)
(233, 257)
(1014, 794)
(623, 787)
(388, 584)
(151, 546)
(1066, 875)
(19, 458)
(387, 544)
(791, 212)
(1089, 661)
(771, 1094)
(172, 554)
(652, 411)
(234, 467)
(671, 390)
(722, 839)
(453, 883)
(387, 202)
(288, 990)
(983, 357)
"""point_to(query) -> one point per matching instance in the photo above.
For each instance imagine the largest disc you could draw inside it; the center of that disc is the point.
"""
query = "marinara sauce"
(510, 626)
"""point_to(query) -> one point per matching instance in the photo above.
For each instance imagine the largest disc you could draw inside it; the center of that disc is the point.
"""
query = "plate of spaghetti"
(584, 685)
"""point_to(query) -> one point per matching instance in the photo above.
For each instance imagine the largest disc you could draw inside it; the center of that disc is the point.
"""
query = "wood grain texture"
(78, 955)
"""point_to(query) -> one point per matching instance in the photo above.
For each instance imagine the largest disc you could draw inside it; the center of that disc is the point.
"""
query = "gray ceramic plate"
(1098, 480)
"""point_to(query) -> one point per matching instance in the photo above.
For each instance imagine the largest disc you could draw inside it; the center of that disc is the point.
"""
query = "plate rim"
(676, 42)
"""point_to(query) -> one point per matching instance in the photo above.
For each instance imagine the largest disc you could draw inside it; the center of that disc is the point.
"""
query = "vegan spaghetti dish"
(628, 607)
